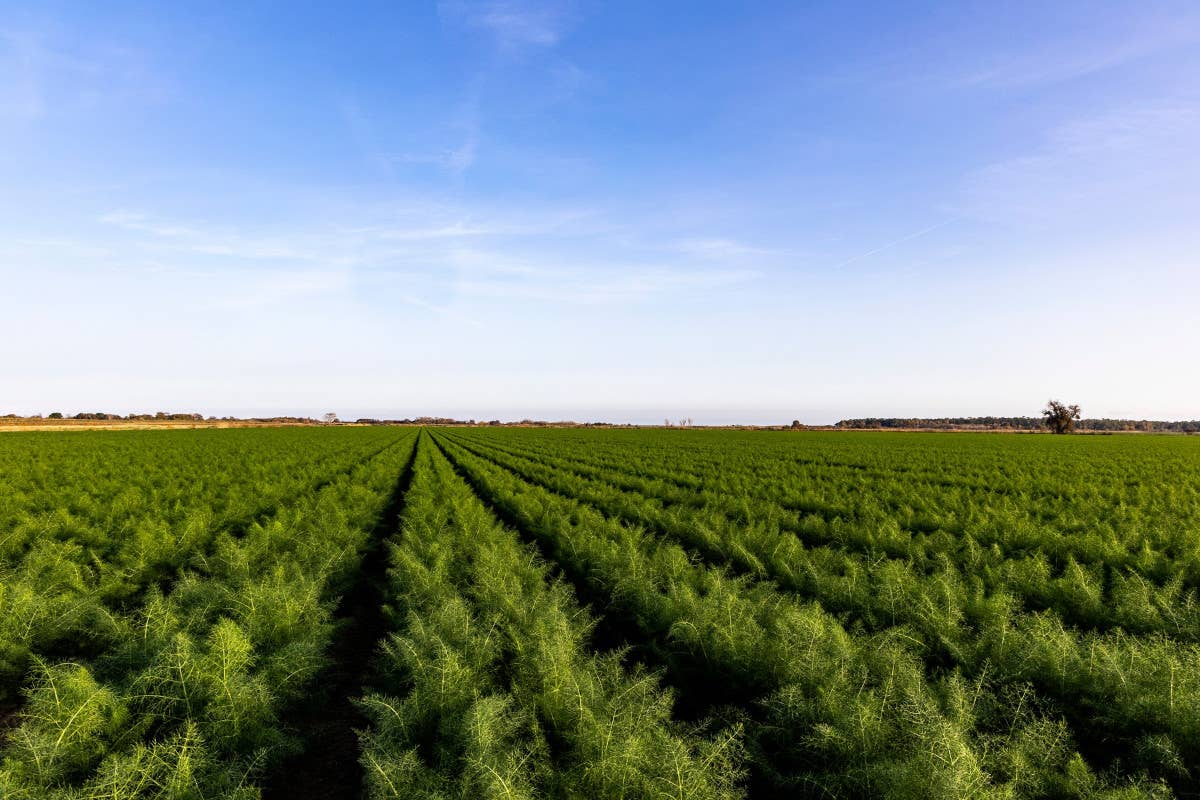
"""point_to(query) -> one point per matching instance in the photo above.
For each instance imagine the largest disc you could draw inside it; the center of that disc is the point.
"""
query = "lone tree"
(1060, 418)
(329, 418)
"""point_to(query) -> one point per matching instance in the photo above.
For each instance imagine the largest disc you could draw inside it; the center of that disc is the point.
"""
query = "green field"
(519, 613)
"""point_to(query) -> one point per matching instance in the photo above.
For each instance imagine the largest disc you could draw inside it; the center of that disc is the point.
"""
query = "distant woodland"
(1018, 423)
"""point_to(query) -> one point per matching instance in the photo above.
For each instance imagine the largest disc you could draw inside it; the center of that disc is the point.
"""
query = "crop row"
(615, 615)
(487, 687)
(1128, 697)
(67, 572)
(833, 711)
(846, 557)
(1144, 519)
(185, 697)
(99, 488)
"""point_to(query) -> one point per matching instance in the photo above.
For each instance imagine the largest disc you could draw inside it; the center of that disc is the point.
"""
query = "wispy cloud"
(341, 244)
(1066, 57)
(551, 257)
(513, 25)
(197, 238)
(446, 229)
(719, 249)
(605, 285)
(1110, 166)
(1127, 129)
(22, 93)
(456, 230)
(260, 290)
(135, 221)
(45, 73)
(582, 280)
(455, 160)
(455, 147)
(440, 310)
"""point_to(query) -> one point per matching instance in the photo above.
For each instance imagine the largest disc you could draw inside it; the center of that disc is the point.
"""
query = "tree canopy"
(1059, 417)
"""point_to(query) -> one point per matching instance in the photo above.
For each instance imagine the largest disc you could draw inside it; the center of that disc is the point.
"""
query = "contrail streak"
(901, 240)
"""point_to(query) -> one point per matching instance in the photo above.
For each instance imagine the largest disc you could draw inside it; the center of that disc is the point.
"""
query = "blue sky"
(733, 212)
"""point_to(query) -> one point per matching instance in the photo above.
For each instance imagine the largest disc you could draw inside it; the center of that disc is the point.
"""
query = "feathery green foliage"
(935, 561)
(181, 695)
(502, 697)
(604, 614)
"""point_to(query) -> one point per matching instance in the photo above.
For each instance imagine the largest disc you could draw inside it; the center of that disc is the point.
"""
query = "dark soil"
(328, 766)
(8, 718)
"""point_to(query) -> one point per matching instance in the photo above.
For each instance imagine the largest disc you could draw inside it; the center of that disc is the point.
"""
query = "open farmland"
(494, 612)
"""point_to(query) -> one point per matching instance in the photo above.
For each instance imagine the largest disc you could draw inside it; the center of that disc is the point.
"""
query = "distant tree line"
(329, 418)
(160, 416)
(1019, 423)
